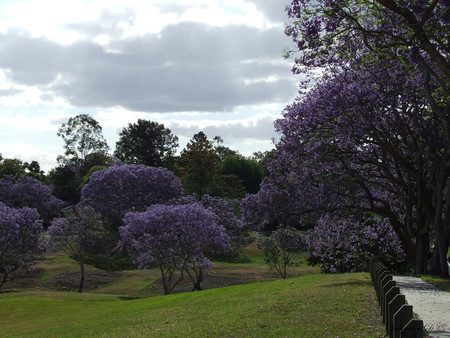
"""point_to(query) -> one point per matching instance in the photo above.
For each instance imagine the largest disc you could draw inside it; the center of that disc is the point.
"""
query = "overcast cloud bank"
(215, 66)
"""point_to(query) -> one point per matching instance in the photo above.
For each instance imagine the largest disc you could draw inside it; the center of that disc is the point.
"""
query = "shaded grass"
(309, 306)
(442, 283)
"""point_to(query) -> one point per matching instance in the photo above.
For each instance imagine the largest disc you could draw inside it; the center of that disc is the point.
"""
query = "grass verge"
(442, 283)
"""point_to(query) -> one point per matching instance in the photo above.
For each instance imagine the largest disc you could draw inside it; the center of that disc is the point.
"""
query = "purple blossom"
(20, 238)
(30, 192)
(174, 238)
(119, 189)
(346, 244)
(76, 234)
(229, 218)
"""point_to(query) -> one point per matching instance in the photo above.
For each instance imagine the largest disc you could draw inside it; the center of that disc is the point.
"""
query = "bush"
(281, 248)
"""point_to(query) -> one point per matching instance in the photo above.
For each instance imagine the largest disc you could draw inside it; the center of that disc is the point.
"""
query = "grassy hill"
(308, 304)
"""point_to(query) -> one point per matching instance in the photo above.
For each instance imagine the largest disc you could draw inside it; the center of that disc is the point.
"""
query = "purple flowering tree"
(228, 213)
(20, 239)
(76, 234)
(409, 40)
(114, 191)
(281, 248)
(30, 192)
(340, 244)
(174, 238)
(363, 139)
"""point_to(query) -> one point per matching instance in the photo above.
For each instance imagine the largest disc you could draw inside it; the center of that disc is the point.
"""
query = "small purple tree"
(75, 234)
(281, 248)
(20, 239)
(174, 238)
(340, 244)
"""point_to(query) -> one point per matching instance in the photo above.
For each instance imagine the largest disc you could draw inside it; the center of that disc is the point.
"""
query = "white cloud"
(192, 65)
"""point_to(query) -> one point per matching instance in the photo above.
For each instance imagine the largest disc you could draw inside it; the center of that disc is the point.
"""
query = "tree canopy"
(82, 135)
(175, 238)
(30, 192)
(199, 161)
(20, 238)
(146, 142)
(114, 191)
(372, 132)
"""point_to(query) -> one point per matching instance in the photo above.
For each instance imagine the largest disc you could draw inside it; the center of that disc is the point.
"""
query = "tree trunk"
(422, 247)
(198, 281)
(82, 277)
(439, 259)
(3, 279)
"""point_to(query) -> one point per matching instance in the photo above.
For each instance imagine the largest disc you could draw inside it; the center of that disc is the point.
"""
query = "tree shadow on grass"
(348, 283)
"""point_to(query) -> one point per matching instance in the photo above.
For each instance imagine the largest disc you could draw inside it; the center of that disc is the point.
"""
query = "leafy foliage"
(248, 171)
(20, 238)
(199, 161)
(174, 238)
(146, 142)
(281, 248)
(68, 179)
(82, 135)
(11, 167)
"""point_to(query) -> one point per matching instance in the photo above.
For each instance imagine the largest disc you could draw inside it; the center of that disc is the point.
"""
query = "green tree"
(146, 142)
(221, 150)
(34, 169)
(82, 135)
(11, 166)
(65, 184)
(263, 159)
(69, 178)
(247, 170)
(198, 165)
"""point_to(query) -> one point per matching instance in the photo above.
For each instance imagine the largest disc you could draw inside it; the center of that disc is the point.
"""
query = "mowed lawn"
(315, 305)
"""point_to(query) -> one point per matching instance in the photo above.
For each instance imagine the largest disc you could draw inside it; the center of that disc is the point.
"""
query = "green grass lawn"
(307, 304)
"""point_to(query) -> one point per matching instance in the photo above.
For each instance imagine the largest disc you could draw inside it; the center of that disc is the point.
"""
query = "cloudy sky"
(211, 65)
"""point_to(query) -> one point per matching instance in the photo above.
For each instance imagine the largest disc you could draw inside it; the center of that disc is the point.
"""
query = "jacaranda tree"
(20, 239)
(228, 212)
(339, 244)
(76, 234)
(114, 191)
(410, 39)
(363, 139)
(174, 238)
(30, 192)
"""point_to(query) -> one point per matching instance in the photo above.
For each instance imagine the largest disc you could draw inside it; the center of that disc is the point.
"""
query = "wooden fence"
(397, 314)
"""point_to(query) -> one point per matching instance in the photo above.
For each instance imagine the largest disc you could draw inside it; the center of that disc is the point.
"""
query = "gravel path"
(429, 303)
